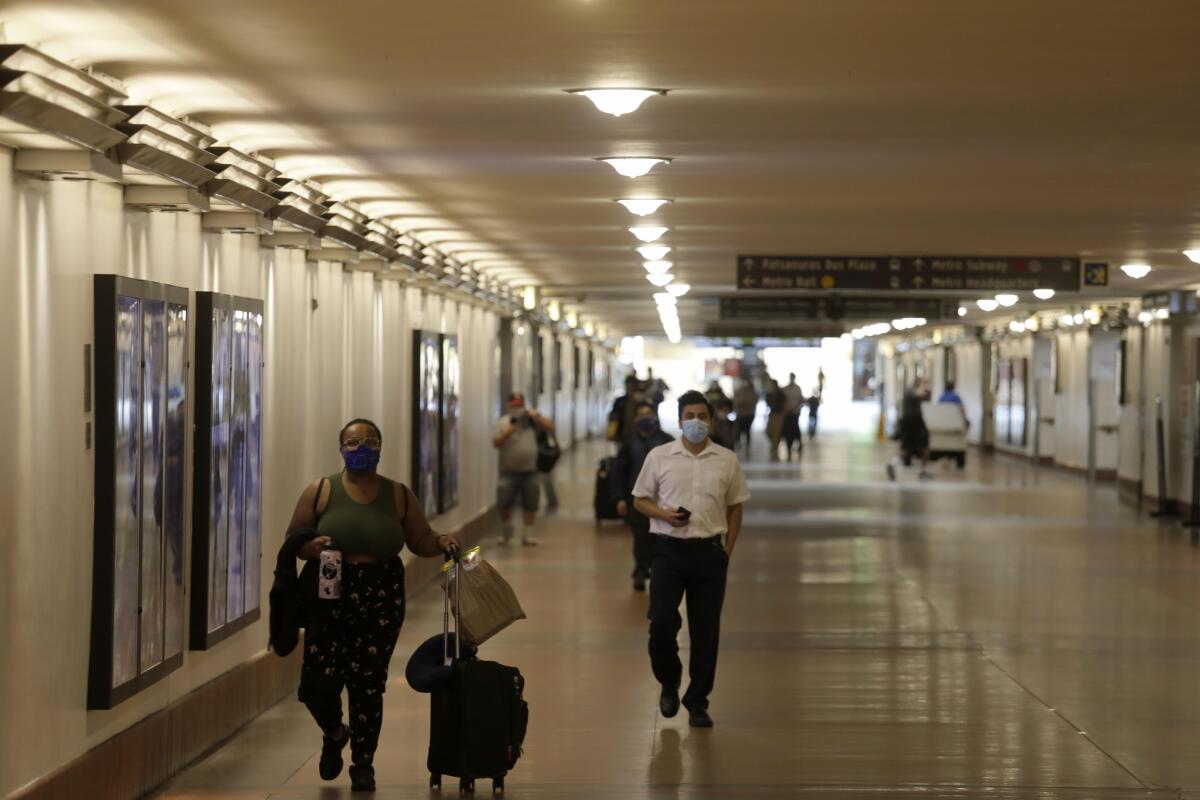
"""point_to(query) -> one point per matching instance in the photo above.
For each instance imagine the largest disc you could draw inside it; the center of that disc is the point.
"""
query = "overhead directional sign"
(930, 273)
(835, 308)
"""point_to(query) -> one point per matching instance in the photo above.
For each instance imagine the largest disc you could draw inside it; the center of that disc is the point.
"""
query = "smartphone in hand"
(683, 513)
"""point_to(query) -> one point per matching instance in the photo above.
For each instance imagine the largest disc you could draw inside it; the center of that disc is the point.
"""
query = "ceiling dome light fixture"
(1136, 271)
(962, 311)
(648, 233)
(1007, 300)
(617, 102)
(661, 279)
(987, 305)
(653, 252)
(679, 289)
(644, 206)
(634, 167)
(1194, 255)
(657, 267)
(1043, 294)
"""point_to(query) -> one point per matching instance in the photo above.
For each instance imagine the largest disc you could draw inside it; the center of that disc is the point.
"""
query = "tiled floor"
(1006, 632)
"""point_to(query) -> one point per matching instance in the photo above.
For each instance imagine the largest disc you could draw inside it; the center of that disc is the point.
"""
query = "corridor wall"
(1071, 401)
(337, 346)
(972, 385)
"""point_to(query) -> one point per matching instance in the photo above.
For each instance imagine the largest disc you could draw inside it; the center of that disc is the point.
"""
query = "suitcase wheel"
(466, 786)
(435, 780)
(498, 786)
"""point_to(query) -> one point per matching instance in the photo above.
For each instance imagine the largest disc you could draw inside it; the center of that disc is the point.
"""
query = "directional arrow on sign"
(918, 281)
(748, 281)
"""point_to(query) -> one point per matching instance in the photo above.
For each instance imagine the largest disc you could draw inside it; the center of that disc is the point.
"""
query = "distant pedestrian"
(774, 399)
(620, 418)
(914, 436)
(814, 405)
(951, 396)
(517, 442)
(724, 431)
(656, 389)
(745, 406)
(793, 401)
(647, 435)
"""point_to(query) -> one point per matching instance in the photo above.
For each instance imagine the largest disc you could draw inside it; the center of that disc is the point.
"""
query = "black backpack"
(548, 449)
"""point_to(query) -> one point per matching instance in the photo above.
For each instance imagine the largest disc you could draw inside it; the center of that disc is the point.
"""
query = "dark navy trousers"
(693, 570)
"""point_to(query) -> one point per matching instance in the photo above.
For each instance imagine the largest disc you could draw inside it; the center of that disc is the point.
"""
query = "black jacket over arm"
(292, 598)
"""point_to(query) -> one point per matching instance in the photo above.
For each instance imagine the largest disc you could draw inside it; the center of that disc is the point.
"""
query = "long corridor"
(1008, 631)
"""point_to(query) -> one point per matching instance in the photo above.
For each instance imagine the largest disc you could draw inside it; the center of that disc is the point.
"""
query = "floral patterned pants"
(351, 647)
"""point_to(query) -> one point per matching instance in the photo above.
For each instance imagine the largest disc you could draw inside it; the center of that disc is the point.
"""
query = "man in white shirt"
(692, 490)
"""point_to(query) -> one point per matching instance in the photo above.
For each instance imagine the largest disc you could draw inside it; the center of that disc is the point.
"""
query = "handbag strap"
(317, 498)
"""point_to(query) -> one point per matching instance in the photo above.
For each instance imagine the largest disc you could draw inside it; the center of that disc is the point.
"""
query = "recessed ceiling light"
(1043, 294)
(653, 252)
(987, 305)
(657, 267)
(617, 101)
(661, 279)
(1007, 300)
(643, 206)
(648, 233)
(962, 311)
(679, 289)
(1194, 255)
(634, 167)
(1136, 271)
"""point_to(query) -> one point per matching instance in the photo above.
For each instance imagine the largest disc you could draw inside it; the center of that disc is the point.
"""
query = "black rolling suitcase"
(605, 504)
(477, 721)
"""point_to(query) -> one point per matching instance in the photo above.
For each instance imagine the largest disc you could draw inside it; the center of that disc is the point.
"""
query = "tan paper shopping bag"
(489, 604)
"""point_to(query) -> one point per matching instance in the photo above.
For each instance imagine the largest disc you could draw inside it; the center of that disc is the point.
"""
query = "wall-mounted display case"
(141, 422)
(451, 388)
(426, 429)
(227, 492)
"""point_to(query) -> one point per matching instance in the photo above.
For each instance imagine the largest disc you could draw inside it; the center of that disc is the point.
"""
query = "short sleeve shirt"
(519, 452)
(706, 484)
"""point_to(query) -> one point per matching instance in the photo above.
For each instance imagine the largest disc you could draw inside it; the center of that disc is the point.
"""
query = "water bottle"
(329, 585)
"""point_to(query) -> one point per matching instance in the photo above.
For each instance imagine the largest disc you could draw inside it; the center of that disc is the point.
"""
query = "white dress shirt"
(705, 484)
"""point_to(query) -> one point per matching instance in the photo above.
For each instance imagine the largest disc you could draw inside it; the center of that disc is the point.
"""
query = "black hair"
(949, 386)
(359, 421)
(694, 398)
(645, 404)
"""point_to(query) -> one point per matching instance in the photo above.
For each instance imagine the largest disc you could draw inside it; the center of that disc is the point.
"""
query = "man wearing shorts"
(516, 439)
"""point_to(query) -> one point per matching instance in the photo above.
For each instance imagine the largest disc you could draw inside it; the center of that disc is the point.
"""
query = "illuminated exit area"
(840, 371)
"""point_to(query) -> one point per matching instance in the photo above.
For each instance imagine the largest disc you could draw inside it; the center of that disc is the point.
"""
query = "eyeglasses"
(352, 442)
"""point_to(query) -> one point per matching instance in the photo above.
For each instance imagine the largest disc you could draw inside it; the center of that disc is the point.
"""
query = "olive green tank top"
(366, 529)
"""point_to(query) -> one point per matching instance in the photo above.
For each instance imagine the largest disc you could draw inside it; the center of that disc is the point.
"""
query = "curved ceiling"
(856, 127)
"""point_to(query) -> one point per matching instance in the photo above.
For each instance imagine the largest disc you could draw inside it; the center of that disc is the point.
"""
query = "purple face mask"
(361, 458)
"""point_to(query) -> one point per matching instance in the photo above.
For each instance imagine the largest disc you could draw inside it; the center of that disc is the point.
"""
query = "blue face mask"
(647, 425)
(695, 430)
(361, 459)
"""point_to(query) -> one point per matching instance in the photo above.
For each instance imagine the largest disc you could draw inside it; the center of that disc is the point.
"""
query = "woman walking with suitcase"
(364, 520)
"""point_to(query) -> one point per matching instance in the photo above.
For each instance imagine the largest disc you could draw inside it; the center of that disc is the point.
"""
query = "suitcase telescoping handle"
(456, 555)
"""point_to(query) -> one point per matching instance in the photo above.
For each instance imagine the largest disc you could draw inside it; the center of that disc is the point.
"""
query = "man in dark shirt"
(645, 437)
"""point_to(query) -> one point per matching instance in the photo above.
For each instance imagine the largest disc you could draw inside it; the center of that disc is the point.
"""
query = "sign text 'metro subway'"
(931, 273)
